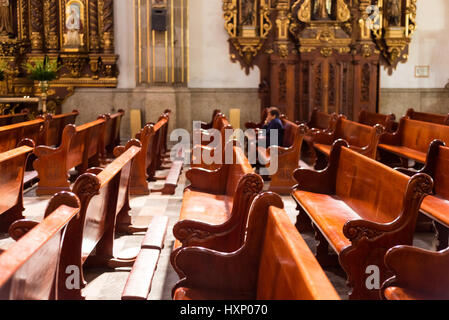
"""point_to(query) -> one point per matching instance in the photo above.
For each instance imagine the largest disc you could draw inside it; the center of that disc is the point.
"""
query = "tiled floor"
(106, 284)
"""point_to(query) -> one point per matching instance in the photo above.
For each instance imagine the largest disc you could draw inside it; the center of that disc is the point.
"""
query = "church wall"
(429, 47)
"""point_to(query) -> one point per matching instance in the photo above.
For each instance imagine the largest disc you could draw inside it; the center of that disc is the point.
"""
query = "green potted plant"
(43, 71)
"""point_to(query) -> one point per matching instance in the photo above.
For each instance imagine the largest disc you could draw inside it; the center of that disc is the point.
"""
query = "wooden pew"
(322, 121)
(56, 125)
(428, 117)
(361, 138)
(273, 263)
(29, 267)
(411, 141)
(12, 168)
(207, 126)
(103, 195)
(252, 125)
(14, 118)
(80, 147)
(209, 146)
(287, 156)
(145, 164)
(418, 274)
(138, 284)
(112, 132)
(371, 119)
(11, 135)
(360, 208)
(436, 206)
(216, 204)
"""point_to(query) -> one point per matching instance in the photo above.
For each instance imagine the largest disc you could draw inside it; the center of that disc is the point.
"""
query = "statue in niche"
(249, 9)
(6, 27)
(322, 9)
(394, 13)
(73, 25)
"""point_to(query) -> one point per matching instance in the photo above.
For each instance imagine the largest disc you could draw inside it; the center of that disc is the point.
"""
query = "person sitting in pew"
(272, 124)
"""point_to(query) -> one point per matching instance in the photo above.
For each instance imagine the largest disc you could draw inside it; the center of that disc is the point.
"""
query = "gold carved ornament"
(248, 25)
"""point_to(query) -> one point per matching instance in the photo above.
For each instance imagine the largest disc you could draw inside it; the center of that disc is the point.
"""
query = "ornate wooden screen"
(322, 54)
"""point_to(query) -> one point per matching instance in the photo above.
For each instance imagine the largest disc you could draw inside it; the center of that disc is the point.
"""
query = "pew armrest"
(42, 150)
(200, 267)
(418, 270)
(188, 231)
(20, 228)
(210, 181)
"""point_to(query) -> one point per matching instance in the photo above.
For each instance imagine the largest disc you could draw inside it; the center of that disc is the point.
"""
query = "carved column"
(93, 26)
(36, 25)
(51, 25)
(108, 26)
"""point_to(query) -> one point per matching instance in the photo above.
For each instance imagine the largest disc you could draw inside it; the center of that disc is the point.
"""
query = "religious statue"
(73, 25)
(394, 13)
(249, 9)
(321, 9)
(6, 28)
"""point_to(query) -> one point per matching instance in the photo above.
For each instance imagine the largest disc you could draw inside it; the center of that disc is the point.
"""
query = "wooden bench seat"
(29, 267)
(361, 208)
(287, 157)
(361, 138)
(436, 205)
(273, 263)
(9, 119)
(418, 274)
(216, 204)
(371, 119)
(103, 195)
(428, 117)
(12, 168)
(411, 141)
(138, 284)
(80, 147)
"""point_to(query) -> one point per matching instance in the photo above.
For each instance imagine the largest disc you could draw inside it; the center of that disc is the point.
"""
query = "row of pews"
(370, 182)
(90, 178)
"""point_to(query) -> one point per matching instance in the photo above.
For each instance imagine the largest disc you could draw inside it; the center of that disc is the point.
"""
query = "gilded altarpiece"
(78, 34)
(323, 54)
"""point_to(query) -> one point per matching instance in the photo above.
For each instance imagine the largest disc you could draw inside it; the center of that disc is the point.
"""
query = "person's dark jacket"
(275, 124)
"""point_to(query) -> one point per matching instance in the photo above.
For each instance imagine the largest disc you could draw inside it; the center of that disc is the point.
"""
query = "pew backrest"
(371, 119)
(11, 135)
(14, 118)
(375, 191)
(322, 120)
(428, 117)
(56, 126)
(239, 167)
(28, 268)
(418, 135)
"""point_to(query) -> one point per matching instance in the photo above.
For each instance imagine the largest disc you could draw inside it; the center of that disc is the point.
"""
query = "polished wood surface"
(274, 262)
(6, 120)
(436, 206)
(80, 147)
(361, 138)
(371, 119)
(103, 195)
(418, 274)
(28, 268)
(12, 168)
(56, 125)
(361, 208)
(263, 117)
(207, 126)
(428, 117)
(215, 206)
(412, 139)
(12, 134)
(112, 132)
(150, 157)
(287, 157)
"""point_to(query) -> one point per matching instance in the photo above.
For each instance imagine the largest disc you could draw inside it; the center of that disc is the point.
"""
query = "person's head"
(273, 113)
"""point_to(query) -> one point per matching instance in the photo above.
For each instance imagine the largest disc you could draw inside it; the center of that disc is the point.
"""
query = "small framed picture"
(422, 71)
